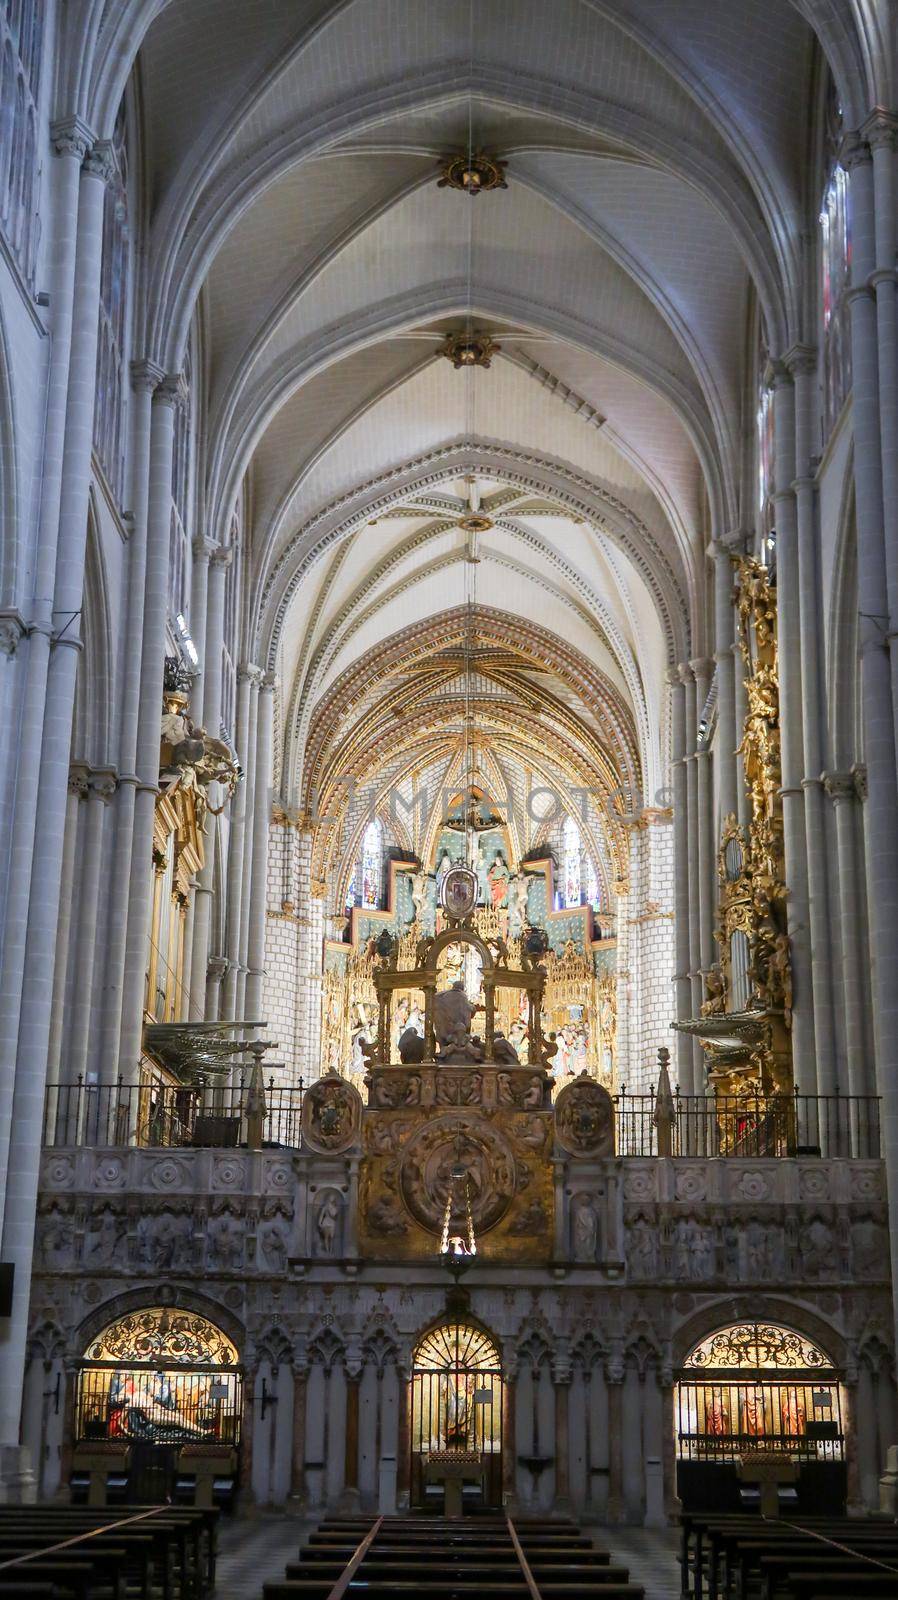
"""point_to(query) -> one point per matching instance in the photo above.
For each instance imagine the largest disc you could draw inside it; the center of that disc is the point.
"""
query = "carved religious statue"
(452, 1016)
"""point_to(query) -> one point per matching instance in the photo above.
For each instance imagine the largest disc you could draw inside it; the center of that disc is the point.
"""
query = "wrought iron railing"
(154, 1114)
(689, 1125)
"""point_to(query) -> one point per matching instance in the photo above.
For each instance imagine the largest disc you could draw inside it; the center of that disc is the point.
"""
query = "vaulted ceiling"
(655, 158)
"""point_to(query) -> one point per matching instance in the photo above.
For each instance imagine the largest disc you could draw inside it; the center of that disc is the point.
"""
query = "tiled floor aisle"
(650, 1554)
(253, 1551)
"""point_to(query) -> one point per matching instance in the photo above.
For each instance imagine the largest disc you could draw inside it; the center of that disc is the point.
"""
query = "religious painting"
(757, 1385)
(163, 1376)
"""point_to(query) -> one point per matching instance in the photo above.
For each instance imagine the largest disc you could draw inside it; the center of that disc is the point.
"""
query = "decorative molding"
(71, 137)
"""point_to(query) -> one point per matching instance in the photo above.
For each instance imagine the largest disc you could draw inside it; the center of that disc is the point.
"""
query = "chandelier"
(453, 1242)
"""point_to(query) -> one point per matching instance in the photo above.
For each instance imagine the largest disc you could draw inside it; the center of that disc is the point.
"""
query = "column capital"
(103, 783)
(222, 556)
(248, 673)
(78, 780)
(702, 667)
(146, 375)
(172, 390)
(100, 161)
(860, 779)
(12, 630)
(777, 374)
(684, 670)
(801, 360)
(854, 151)
(217, 967)
(70, 136)
(268, 682)
(880, 130)
(203, 548)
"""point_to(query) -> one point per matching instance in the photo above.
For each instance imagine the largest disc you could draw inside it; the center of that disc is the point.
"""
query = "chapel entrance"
(456, 1417)
(158, 1402)
(758, 1388)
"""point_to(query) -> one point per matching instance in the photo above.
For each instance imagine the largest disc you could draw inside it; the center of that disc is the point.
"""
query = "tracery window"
(573, 886)
(111, 389)
(765, 450)
(178, 559)
(162, 1375)
(20, 45)
(756, 1385)
(229, 649)
(835, 251)
(372, 857)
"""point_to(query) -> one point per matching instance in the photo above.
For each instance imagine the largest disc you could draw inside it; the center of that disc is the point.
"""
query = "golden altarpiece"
(745, 1026)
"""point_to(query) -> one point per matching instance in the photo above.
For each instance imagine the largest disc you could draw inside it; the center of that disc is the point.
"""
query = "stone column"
(853, 1498)
(702, 670)
(203, 550)
(145, 378)
(216, 970)
(692, 830)
(802, 364)
(561, 1383)
(881, 132)
(668, 1441)
(791, 737)
(248, 752)
(350, 1496)
(168, 394)
(614, 1377)
(842, 790)
(70, 139)
(202, 904)
(247, 1427)
(510, 1441)
(101, 788)
(236, 840)
(259, 881)
(77, 793)
(52, 793)
(727, 738)
(881, 808)
(403, 1445)
(298, 1446)
(683, 987)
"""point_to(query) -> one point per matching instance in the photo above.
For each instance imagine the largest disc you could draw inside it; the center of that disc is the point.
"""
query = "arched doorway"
(758, 1387)
(456, 1410)
(158, 1383)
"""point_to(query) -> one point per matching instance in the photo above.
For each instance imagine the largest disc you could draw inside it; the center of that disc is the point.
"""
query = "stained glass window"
(21, 25)
(573, 881)
(110, 386)
(372, 853)
(765, 447)
(835, 253)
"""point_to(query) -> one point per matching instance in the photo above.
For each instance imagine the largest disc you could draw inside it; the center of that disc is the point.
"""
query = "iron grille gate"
(456, 1405)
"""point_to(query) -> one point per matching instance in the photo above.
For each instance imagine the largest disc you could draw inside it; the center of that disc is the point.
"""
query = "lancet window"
(109, 426)
(230, 648)
(835, 252)
(179, 563)
(372, 864)
(20, 44)
(573, 864)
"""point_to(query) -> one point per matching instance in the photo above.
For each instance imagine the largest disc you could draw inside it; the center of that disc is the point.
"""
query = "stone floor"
(255, 1550)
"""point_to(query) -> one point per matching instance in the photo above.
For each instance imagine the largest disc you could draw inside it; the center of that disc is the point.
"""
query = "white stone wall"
(646, 955)
(294, 943)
